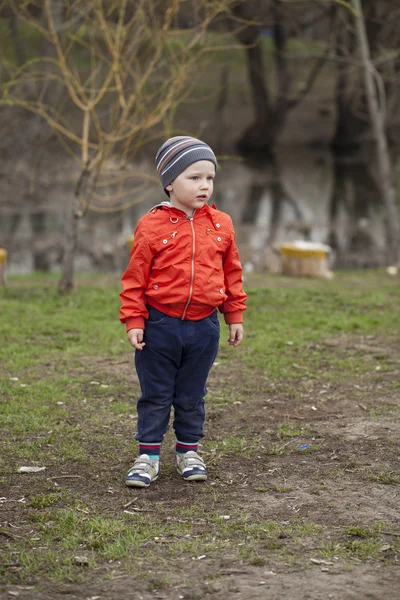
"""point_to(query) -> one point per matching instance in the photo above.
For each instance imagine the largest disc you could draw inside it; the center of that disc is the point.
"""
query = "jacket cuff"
(233, 317)
(134, 323)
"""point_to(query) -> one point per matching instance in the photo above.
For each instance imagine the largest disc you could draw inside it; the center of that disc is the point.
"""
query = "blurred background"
(89, 91)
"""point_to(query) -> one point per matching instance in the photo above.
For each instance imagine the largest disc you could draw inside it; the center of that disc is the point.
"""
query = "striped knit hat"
(178, 153)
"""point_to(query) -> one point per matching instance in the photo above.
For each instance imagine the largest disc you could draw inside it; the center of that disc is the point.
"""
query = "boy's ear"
(169, 188)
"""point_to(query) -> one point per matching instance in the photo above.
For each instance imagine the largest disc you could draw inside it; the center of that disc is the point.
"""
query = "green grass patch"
(360, 532)
(234, 445)
(64, 536)
(385, 477)
(289, 429)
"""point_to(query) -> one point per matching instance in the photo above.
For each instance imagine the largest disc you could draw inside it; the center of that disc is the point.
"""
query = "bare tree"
(352, 125)
(271, 109)
(366, 90)
(376, 108)
(121, 66)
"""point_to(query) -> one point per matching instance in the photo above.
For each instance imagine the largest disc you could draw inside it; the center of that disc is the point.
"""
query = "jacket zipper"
(192, 272)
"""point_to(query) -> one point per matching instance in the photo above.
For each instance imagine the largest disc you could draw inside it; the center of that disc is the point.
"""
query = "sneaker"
(143, 472)
(191, 466)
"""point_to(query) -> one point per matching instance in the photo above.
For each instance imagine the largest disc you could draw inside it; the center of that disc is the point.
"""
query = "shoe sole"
(140, 484)
(193, 477)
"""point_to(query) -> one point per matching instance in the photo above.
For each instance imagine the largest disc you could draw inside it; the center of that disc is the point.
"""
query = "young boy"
(184, 264)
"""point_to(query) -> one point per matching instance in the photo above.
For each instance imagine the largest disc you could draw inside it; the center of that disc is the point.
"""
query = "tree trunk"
(350, 126)
(270, 115)
(386, 178)
(222, 101)
(257, 136)
(66, 282)
(80, 205)
(346, 134)
(259, 90)
(282, 71)
(269, 121)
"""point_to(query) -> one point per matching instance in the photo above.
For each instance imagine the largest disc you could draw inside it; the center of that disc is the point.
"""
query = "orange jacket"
(184, 267)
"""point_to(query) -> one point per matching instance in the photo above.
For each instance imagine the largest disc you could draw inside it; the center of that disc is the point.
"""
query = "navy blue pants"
(173, 368)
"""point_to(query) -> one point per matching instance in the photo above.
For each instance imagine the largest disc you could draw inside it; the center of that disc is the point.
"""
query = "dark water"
(303, 194)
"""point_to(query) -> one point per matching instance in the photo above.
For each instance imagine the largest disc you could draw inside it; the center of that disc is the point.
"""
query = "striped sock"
(152, 449)
(183, 447)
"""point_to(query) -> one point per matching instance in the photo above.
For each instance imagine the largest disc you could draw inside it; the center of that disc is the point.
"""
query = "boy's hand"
(135, 337)
(235, 334)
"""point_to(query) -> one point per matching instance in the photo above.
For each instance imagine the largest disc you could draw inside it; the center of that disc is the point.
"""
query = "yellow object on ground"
(305, 259)
(3, 262)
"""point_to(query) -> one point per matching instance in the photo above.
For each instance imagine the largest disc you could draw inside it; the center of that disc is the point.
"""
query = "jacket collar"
(168, 206)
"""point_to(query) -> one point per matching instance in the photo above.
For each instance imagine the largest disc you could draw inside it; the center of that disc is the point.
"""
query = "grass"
(295, 322)
(67, 405)
(384, 477)
(54, 332)
(63, 534)
(292, 430)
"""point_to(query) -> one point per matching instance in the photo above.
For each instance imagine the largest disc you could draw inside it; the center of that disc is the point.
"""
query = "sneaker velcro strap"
(193, 462)
(143, 468)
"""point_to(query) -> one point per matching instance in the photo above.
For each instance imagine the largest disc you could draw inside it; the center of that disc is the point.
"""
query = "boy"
(184, 264)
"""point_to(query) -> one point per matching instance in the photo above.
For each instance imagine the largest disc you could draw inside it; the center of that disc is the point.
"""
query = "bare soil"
(347, 477)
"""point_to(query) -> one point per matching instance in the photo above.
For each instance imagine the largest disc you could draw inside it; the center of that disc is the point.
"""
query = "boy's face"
(192, 189)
